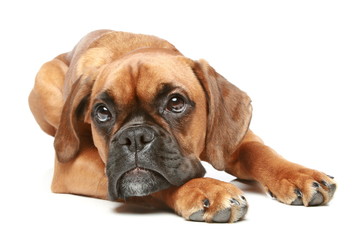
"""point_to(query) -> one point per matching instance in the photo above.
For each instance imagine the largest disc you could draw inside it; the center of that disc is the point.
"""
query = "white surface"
(299, 62)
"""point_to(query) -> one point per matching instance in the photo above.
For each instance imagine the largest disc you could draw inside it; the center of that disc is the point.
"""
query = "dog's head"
(153, 114)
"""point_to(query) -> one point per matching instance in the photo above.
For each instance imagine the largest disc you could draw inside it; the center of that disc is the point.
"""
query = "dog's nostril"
(146, 138)
(136, 138)
(143, 140)
(125, 141)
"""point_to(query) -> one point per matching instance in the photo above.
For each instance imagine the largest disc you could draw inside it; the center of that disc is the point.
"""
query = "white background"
(298, 60)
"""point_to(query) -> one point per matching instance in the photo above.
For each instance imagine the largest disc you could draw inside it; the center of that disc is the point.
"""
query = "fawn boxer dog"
(133, 118)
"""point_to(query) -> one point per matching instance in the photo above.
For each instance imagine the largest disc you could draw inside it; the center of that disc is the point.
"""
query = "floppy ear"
(72, 128)
(229, 115)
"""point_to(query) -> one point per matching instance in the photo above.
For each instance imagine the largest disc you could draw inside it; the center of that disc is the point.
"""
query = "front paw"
(302, 186)
(210, 200)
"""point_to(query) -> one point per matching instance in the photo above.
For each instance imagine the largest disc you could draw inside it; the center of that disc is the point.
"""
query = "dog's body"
(133, 106)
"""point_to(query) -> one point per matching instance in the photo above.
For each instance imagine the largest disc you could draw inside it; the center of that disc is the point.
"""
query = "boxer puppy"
(133, 118)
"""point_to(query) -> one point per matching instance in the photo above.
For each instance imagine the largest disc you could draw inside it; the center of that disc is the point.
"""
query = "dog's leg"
(206, 199)
(288, 182)
(85, 175)
(46, 98)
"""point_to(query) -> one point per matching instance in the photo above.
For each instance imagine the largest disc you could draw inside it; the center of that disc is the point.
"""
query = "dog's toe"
(218, 202)
(235, 209)
(197, 216)
(306, 187)
(317, 199)
(298, 201)
(222, 216)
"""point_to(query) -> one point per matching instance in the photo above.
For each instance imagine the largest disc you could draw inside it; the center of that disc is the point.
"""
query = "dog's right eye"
(102, 114)
(176, 104)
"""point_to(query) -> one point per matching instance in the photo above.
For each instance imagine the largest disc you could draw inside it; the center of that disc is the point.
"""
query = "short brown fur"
(218, 132)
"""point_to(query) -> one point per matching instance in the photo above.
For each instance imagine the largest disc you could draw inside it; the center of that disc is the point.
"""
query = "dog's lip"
(140, 170)
(136, 170)
(136, 174)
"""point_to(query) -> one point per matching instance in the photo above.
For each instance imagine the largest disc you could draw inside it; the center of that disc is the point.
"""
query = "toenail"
(324, 183)
(234, 201)
(206, 203)
(298, 192)
(271, 194)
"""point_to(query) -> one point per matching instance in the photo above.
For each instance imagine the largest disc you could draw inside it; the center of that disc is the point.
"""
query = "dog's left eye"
(176, 104)
(102, 114)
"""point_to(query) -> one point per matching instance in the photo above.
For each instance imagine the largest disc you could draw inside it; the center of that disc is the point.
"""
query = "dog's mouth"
(139, 182)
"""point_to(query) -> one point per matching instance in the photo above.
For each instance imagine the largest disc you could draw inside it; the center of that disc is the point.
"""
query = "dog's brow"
(165, 89)
(106, 96)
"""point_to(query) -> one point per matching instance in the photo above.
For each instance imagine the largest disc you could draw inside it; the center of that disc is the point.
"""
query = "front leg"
(205, 199)
(85, 175)
(288, 182)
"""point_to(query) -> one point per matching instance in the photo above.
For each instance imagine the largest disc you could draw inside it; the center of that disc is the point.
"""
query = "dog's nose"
(136, 138)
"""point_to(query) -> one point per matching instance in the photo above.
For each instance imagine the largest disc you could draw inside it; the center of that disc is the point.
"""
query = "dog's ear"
(72, 128)
(229, 115)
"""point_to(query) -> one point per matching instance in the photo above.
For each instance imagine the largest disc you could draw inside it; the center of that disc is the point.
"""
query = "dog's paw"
(302, 186)
(210, 200)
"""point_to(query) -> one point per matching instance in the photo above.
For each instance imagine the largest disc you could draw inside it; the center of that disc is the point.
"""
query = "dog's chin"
(140, 182)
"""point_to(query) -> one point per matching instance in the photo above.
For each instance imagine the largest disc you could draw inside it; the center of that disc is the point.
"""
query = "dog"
(133, 118)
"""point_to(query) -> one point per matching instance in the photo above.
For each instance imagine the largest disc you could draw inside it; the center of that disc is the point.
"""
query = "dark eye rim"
(183, 99)
(96, 111)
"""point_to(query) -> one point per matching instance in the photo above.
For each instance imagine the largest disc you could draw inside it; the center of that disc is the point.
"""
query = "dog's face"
(148, 120)
(153, 115)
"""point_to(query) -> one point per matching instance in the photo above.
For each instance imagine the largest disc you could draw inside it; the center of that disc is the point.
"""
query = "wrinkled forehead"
(144, 76)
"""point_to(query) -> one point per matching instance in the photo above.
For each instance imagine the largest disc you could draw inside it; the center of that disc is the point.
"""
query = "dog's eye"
(102, 114)
(176, 104)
